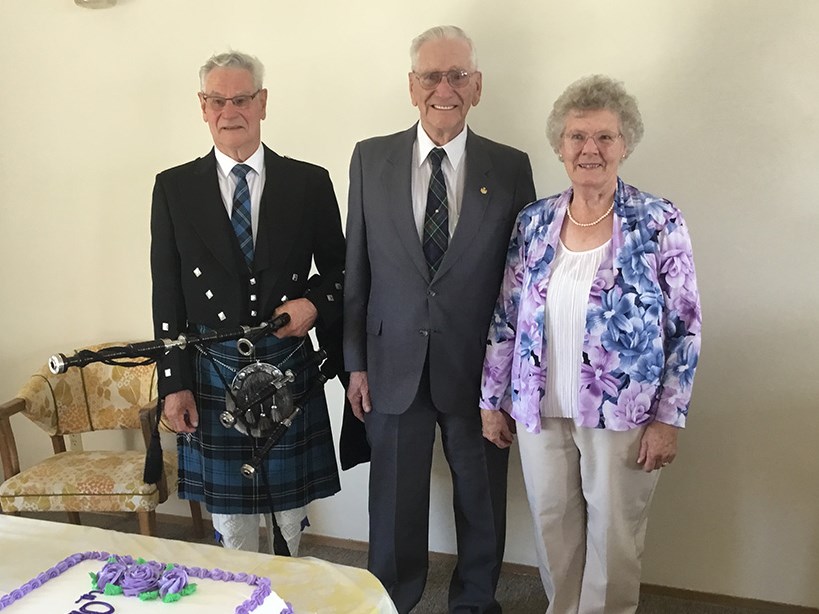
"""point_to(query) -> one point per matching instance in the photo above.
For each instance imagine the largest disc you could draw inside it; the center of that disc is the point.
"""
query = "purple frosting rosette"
(112, 573)
(173, 581)
(141, 578)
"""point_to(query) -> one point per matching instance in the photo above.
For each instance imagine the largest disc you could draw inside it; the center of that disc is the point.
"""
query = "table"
(29, 546)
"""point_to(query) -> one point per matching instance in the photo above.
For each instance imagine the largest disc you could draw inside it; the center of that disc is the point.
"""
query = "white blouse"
(567, 300)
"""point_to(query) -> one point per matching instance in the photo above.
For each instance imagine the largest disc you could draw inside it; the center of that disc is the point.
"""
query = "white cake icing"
(70, 592)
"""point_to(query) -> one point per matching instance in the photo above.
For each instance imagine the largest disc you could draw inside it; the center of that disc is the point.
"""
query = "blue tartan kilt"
(301, 467)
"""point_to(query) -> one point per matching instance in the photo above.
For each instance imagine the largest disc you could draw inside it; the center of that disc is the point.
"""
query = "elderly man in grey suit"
(429, 219)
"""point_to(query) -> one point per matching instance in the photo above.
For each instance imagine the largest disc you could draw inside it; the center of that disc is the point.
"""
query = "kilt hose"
(301, 467)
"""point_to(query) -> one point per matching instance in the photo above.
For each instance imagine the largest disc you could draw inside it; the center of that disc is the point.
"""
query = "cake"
(88, 583)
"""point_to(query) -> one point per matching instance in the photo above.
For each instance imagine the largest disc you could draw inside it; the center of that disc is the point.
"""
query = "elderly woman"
(592, 349)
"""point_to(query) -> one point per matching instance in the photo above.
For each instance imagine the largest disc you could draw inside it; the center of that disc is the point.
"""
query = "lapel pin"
(484, 190)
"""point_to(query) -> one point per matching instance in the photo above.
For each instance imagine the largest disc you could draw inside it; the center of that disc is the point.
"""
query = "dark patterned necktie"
(240, 217)
(436, 218)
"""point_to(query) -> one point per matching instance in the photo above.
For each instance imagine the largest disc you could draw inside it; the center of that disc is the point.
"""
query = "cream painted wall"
(95, 103)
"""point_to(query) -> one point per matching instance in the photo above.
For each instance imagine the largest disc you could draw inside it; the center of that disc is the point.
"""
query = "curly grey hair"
(594, 93)
(442, 33)
(233, 59)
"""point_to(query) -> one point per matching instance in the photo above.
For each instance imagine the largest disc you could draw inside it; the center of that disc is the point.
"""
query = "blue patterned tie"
(436, 219)
(240, 217)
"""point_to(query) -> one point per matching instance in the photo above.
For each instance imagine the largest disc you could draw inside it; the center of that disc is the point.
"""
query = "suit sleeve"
(325, 288)
(357, 278)
(168, 303)
(525, 185)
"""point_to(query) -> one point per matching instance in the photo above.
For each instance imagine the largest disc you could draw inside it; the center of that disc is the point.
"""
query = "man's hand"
(180, 411)
(303, 314)
(658, 447)
(498, 427)
(358, 393)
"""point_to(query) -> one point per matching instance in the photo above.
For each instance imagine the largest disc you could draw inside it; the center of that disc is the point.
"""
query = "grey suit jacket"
(394, 313)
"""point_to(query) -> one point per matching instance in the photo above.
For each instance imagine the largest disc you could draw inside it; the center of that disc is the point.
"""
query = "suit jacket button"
(431, 292)
(424, 332)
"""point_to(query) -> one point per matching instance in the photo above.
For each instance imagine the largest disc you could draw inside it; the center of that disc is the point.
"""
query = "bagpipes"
(259, 401)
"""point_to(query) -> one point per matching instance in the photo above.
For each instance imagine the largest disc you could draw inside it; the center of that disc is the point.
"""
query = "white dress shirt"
(255, 181)
(454, 168)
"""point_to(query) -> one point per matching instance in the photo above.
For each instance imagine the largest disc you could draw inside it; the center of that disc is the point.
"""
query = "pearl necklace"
(595, 222)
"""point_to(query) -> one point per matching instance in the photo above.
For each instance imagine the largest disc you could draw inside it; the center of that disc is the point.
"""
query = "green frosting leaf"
(148, 595)
(112, 589)
(188, 590)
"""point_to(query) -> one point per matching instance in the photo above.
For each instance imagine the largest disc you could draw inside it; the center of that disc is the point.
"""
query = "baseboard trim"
(334, 542)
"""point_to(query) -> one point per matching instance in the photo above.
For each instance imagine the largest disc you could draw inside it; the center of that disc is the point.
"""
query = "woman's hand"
(498, 427)
(658, 447)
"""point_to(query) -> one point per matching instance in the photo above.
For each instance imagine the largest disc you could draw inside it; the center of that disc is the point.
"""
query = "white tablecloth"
(30, 546)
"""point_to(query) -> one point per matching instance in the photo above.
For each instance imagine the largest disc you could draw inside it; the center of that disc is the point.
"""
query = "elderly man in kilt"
(234, 236)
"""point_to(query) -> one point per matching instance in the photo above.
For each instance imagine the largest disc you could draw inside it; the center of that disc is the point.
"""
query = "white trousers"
(241, 531)
(589, 501)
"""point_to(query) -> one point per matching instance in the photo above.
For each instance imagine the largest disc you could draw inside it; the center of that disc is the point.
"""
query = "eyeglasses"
(455, 78)
(217, 103)
(604, 140)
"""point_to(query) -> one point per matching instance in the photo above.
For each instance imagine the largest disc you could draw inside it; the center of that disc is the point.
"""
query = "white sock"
(290, 522)
(238, 531)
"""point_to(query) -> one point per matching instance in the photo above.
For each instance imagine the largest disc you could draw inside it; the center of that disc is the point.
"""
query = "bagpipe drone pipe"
(259, 402)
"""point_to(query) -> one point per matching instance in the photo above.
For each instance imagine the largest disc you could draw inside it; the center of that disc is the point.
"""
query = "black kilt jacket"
(199, 274)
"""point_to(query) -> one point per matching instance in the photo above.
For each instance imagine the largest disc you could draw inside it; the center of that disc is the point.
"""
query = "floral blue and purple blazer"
(643, 322)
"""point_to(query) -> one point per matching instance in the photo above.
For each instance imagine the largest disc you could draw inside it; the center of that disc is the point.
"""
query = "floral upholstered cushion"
(93, 481)
(113, 392)
(96, 397)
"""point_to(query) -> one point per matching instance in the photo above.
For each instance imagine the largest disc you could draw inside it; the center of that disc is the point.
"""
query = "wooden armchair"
(94, 398)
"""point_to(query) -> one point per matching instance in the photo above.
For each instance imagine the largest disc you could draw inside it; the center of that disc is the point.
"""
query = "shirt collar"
(454, 149)
(226, 163)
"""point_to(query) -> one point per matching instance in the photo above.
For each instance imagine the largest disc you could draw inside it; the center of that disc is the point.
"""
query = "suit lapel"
(478, 191)
(278, 218)
(397, 181)
(207, 212)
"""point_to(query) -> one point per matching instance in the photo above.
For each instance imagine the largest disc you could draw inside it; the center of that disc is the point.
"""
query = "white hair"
(233, 59)
(442, 33)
